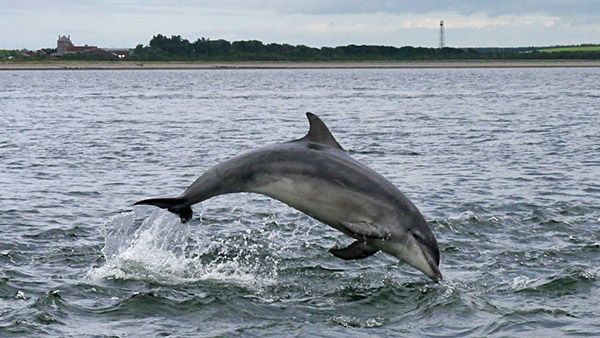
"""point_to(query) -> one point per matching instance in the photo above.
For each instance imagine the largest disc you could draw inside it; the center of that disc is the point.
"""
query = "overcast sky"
(471, 23)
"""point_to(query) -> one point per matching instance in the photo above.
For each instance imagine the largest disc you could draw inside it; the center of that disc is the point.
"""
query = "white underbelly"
(324, 200)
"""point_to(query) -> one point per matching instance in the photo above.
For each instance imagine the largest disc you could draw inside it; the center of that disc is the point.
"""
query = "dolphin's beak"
(422, 254)
(433, 270)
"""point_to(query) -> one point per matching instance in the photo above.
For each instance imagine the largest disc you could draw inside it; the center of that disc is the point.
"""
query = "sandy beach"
(130, 65)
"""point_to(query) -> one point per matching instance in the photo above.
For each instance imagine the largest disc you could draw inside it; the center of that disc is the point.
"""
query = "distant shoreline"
(153, 65)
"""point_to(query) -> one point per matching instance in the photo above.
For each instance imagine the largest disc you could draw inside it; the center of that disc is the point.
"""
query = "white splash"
(521, 282)
(465, 216)
(349, 321)
(163, 250)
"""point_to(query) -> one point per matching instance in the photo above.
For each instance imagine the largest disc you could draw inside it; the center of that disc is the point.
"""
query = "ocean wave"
(568, 281)
(468, 219)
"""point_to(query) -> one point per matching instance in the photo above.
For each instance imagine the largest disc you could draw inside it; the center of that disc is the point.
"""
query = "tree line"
(162, 48)
(176, 48)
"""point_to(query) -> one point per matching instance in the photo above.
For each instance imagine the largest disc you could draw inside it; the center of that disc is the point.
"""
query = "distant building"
(30, 53)
(64, 46)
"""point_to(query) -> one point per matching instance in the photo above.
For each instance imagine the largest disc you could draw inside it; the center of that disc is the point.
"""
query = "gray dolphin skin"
(317, 177)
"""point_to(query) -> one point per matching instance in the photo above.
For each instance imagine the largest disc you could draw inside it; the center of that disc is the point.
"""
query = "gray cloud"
(328, 7)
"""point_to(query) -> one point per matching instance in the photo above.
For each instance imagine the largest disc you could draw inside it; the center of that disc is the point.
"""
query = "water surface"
(503, 163)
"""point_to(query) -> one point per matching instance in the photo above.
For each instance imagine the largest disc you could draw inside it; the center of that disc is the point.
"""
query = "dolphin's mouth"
(430, 253)
(431, 270)
(436, 275)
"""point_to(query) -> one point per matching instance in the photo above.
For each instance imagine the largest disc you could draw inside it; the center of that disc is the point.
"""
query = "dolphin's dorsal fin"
(319, 133)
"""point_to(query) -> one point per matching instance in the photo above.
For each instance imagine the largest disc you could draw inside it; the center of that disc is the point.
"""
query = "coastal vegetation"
(176, 48)
(571, 49)
(162, 48)
(6, 53)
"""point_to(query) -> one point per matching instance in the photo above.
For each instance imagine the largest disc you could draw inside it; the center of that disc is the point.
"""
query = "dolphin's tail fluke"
(175, 205)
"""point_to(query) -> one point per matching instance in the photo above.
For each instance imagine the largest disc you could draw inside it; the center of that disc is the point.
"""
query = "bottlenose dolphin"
(316, 176)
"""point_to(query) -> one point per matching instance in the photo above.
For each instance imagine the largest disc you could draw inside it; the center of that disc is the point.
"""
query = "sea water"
(503, 163)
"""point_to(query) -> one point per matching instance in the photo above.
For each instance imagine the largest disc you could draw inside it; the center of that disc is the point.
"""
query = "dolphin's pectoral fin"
(364, 230)
(356, 250)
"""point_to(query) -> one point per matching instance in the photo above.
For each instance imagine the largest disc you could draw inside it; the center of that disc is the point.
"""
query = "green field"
(561, 49)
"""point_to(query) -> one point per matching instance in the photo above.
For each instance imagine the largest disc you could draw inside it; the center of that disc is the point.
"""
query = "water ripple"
(502, 162)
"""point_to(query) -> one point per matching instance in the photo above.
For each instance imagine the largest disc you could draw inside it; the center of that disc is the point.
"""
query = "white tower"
(442, 39)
